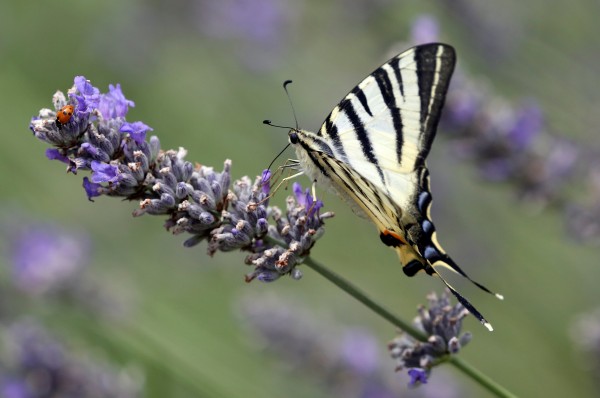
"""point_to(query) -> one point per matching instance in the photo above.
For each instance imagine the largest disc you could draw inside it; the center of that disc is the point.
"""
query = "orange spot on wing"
(394, 235)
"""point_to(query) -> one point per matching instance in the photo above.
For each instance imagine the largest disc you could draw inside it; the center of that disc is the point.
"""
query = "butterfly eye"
(293, 137)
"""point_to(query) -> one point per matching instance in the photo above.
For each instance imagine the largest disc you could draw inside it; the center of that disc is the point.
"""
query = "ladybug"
(64, 115)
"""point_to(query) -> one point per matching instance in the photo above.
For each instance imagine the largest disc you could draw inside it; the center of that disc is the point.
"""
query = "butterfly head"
(293, 136)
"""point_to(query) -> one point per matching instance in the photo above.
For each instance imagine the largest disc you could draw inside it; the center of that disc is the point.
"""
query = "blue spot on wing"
(430, 253)
(427, 227)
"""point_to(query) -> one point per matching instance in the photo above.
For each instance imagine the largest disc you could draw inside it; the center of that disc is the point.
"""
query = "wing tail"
(412, 263)
(466, 304)
(438, 259)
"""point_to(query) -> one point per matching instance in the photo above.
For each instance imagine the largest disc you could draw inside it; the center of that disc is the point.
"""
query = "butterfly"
(371, 151)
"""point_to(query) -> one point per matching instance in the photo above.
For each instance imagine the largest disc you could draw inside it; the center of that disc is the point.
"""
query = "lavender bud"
(183, 190)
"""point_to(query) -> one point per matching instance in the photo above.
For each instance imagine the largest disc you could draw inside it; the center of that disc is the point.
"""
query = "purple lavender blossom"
(103, 172)
(55, 154)
(265, 181)
(113, 104)
(92, 189)
(87, 96)
(299, 229)
(305, 199)
(136, 130)
(418, 376)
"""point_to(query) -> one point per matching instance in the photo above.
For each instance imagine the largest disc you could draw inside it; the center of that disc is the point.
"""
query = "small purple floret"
(91, 188)
(114, 104)
(417, 376)
(104, 172)
(55, 154)
(90, 149)
(88, 98)
(137, 131)
(266, 181)
(304, 198)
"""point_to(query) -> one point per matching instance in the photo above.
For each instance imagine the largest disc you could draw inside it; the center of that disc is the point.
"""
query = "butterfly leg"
(291, 164)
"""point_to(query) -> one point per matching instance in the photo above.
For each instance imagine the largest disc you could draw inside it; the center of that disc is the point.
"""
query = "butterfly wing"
(385, 126)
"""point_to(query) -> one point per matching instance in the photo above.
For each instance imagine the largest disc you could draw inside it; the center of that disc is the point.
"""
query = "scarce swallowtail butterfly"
(371, 151)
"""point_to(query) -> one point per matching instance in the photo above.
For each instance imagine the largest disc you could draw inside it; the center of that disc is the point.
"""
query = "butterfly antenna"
(285, 84)
(278, 155)
(270, 123)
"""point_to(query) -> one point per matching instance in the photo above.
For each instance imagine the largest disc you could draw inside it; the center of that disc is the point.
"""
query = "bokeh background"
(513, 180)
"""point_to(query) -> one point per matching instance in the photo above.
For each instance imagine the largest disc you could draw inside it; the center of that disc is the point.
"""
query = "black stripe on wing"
(387, 92)
(363, 136)
(330, 130)
(434, 65)
(360, 94)
(395, 64)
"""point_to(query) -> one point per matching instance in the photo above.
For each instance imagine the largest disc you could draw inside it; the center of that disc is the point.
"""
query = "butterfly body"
(371, 152)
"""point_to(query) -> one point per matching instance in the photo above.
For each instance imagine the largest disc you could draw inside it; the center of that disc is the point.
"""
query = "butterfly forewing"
(385, 126)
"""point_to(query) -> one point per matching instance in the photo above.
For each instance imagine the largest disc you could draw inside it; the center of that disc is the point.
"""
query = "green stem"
(352, 290)
(481, 378)
(363, 298)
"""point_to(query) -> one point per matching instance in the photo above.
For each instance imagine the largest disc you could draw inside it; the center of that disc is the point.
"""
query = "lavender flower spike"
(442, 323)
(196, 199)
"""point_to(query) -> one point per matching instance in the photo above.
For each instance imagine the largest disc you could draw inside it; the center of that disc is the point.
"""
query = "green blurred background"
(204, 75)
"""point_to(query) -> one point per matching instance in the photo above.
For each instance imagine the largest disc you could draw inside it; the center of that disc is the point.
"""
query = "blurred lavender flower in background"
(49, 261)
(424, 29)
(347, 361)
(197, 200)
(512, 143)
(35, 365)
(259, 26)
(46, 257)
(583, 219)
(442, 323)
(585, 334)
